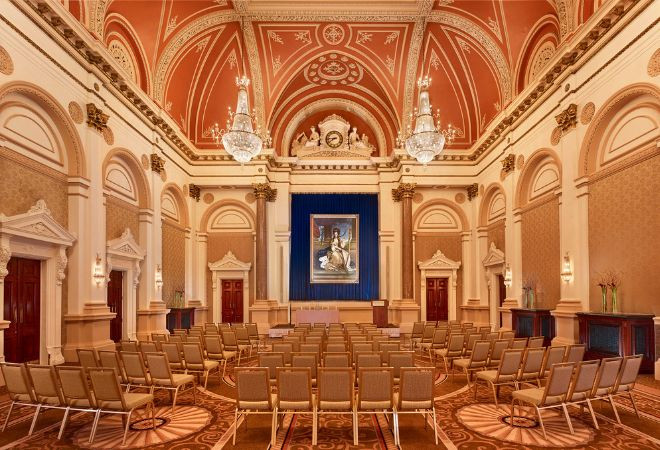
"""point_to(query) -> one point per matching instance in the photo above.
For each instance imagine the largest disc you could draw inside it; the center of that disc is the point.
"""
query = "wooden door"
(232, 301)
(437, 307)
(22, 309)
(115, 303)
(502, 289)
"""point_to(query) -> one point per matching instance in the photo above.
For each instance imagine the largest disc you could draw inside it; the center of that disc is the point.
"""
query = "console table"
(533, 322)
(618, 334)
(180, 318)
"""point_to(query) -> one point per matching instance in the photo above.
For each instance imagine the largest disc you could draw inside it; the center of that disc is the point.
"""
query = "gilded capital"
(263, 190)
(157, 163)
(95, 117)
(509, 163)
(194, 191)
(567, 119)
(472, 191)
(404, 190)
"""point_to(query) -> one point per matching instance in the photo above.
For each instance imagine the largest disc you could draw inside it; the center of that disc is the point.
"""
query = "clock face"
(334, 139)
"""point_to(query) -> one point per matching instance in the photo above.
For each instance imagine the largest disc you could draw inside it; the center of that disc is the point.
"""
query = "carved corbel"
(5, 256)
(62, 262)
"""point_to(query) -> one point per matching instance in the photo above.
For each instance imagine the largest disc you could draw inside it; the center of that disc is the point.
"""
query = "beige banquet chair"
(87, 358)
(196, 363)
(310, 360)
(535, 342)
(376, 395)
(608, 373)
(253, 396)
(173, 352)
(163, 378)
(496, 352)
(454, 350)
(271, 361)
(582, 386)
(416, 335)
(47, 390)
(505, 374)
(136, 371)
(19, 387)
(109, 358)
(476, 361)
(575, 353)
(335, 394)
(336, 359)
(111, 400)
(399, 360)
(552, 395)
(415, 396)
(532, 366)
(438, 342)
(76, 392)
(294, 394)
(286, 348)
(216, 352)
(625, 382)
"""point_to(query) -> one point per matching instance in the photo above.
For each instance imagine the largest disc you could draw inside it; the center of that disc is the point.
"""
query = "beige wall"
(450, 244)
(242, 246)
(120, 215)
(24, 181)
(496, 234)
(624, 235)
(540, 251)
(174, 260)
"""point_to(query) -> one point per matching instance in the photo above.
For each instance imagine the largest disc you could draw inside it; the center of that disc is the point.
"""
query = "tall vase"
(524, 298)
(530, 301)
(603, 291)
(614, 304)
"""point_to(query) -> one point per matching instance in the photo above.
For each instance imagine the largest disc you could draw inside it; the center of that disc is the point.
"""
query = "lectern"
(379, 308)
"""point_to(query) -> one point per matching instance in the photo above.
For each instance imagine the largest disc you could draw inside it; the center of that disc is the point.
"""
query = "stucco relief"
(587, 114)
(76, 112)
(653, 67)
(6, 64)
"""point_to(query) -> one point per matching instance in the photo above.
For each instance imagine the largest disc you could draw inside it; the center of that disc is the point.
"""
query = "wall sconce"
(566, 272)
(508, 276)
(98, 274)
(159, 277)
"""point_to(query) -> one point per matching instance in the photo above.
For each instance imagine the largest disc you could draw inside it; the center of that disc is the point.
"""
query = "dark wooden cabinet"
(607, 335)
(534, 322)
(22, 309)
(437, 306)
(232, 301)
(115, 303)
(180, 318)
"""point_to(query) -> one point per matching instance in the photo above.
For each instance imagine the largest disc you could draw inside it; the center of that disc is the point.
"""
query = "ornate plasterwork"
(125, 246)
(472, 191)
(403, 190)
(587, 113)
(440, 266)
(334, 69)
(194, 191)
(6, 64)
(5, 256)
(653, 68)
(37, 223)
(108, 136)
(229, 262)
(494, 256)
(76, 112)
(567, 119)
(333, 34)
(96, 118)
(157, 163)
(540, 60)
(229, 267)
(411, 68)
(123, 56)
(555, 136)
(263, 190)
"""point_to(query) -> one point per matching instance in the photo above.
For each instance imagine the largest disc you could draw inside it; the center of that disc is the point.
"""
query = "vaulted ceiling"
(309, 59)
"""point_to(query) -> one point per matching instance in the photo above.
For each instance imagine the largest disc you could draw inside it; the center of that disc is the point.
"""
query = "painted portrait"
(334, 251)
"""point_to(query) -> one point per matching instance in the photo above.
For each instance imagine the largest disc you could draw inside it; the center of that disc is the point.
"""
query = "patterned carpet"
(464, 423)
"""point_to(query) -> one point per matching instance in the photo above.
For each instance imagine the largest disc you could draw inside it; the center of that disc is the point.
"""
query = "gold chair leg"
(616, 412)
(593, 415)
(34, 420)
(538, 412)
(236, 426)
(128, 424)
(63, 425)
(11, 407)
(568, 418)
(632, 400)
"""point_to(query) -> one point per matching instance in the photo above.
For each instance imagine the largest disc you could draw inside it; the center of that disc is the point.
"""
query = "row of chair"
(336, 395)
(68, 389)
(573, 384)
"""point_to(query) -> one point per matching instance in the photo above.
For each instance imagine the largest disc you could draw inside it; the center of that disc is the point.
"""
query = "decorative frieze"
(194, 191)
(96, 118)
(509, 163)
(472, 191)
(157, 163)
(404, 190)
(567, 119)
(263, 190)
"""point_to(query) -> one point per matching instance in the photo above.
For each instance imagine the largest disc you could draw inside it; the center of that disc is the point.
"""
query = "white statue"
(354, 137)
(314, 138)
(298, 142)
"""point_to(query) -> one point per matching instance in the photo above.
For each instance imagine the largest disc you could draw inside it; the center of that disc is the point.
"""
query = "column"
(404, 194)
(263, 193)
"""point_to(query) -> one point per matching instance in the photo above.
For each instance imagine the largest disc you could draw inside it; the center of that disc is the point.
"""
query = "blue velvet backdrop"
(302, 205)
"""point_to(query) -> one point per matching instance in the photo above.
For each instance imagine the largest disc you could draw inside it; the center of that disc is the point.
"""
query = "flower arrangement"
(609, 279)
(529, 287)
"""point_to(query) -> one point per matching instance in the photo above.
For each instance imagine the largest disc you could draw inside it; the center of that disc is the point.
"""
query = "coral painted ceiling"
(310, 59)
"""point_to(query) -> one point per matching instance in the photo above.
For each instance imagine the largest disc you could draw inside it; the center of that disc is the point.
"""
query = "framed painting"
(334, 252)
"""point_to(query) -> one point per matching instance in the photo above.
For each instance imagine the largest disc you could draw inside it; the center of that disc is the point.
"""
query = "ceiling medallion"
(426, 140)
(334, 69)
(333, 34)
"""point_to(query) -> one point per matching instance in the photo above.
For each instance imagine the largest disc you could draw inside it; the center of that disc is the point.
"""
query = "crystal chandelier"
(426, 140)
(240, 139)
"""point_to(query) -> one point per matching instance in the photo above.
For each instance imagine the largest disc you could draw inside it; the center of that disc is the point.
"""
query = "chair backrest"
(508, 335)
(607, 375)
(173, 351)
(583, 380)
(336, 359)
(148, 347)
(533, 360)
(367, 359)
(471, 339)
(333, 347)
(479, 355)
(44, 382)
(510, 364)
(427, 334)
(109, 358)
(311, 348)
(134, 365)
(180, 331)
(193, 356)
(213, 344)
(499, 346)
(175, 338)
(335, 388)
(87, 358)
(455, 344)
(519, 343)
(484, 329)
(558, 383)
(286, 348)
(361, 347)
(294, 341)
(417, 330)
(242, 335)
(272, 361)
(253, 330)
(253, 388)
(128, 346)
(628, 373)
(575, 353)
(107, 392)
(439, 337)
(75, 388)
(416, 388)
(159, 367)
(375, 388)
(491, 336)
(305, 360)
(536, 342)
(554, 355)
(195, 332)
(210, 327)
(158, 337)
(386, 348)
(401, 359)
(314, 339)
(229, 339)
(294, 388)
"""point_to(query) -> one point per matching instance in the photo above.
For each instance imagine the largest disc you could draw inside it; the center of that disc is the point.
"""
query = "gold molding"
(567, 119)
(194, 191)
(404, 190)
(653, 68)
(157, 163)
(472, 191)
(6, 64)
(509, 163)
(96, 118)
(263, 190)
